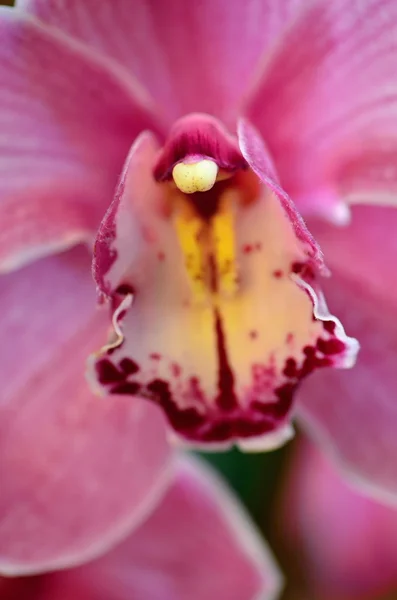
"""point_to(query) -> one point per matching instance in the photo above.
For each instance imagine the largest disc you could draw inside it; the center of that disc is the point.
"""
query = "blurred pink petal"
(355, 416)
(348, 541)
(223, 369)
(326, 104)
(200, 61)
(77, 472)
(197, 545)
(67, 120)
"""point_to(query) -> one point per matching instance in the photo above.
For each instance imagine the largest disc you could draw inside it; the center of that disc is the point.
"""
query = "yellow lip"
(209, 248)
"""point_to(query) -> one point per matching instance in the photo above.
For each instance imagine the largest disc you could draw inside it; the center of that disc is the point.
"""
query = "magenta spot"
(278, 274)
(121, 315)
(107, 372)
(297, 267)
(322, 362)
(262, 374)
(180, 419)
(226, 398)
(124, 289)
(291, 368)
(285, 394)
(247, 248)
(129, 388)
(290, 338)
(195, 391)
(329, 326)
(155, 356)
(309, 351)
(246, 428)
(332, 346)
(176, 370)
(160, 256)
(128, 366)
(219, 432)
(303, 269)
(312, 362)
(253, 334)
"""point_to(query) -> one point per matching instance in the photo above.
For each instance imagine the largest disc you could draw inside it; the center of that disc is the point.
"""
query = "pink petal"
(223, 362)
(260, 161)
(198, 545)
(326, 104)
(355, 416)
(77, 472)
(349, 542)
(67, 120)
(199, 59)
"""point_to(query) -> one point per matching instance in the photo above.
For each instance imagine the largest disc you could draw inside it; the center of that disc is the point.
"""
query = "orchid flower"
(348, 542)
(220, 125)
(163, 558)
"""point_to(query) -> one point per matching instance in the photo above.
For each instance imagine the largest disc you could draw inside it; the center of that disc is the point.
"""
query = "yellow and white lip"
(236, 264)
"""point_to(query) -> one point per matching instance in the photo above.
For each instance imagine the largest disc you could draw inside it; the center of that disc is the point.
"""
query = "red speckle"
(297, 267)
(247, 248)
(128, 366)
(309, 351)
(332, 346)
(262, 374)
(160, 256)
(291, 368)
(121, 315)
(253, 334)
(219, 432)
(290, 338)
(329, 326)
(285, 394)
(246, 428)
(258, 246)
(277, 274)
(226, 398)
(176, 370)
(303, 269)
(107, 373)
(155, 356)
(129, 388)
(195, 391)
(124, 289)
(120, 292)
(180, 419)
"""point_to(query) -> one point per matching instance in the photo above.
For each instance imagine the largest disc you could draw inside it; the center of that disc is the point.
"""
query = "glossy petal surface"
(348, 541)
(198, 544)
(67, 121)
(77, 472)
(191, 63)
(221, 352)
(356, 416)
(326, 104)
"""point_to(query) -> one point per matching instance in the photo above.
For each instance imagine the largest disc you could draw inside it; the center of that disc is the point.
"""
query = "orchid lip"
(222, 317)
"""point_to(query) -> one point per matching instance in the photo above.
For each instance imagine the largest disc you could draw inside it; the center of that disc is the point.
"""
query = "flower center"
(208, 245)
(199, 162)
